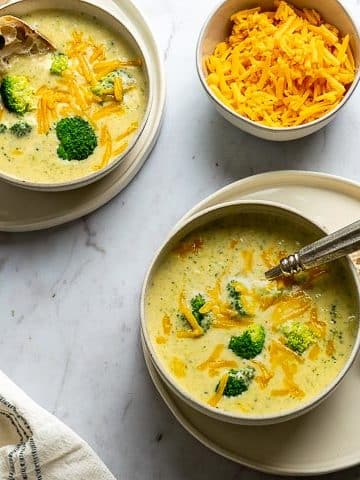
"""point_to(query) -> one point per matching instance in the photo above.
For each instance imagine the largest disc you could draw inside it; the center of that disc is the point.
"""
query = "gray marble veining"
(70, 296)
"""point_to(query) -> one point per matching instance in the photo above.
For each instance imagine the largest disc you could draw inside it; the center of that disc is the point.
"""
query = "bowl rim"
(252, 123)
(97, 175)
(240, 418)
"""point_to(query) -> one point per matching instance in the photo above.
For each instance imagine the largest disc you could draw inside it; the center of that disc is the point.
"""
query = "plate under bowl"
(312, 444)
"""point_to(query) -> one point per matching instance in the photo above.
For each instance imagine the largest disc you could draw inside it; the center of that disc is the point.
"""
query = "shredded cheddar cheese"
(178, 367)
(160, 340)
(213, 364)
(120, 149)
(213, 357)
(86, 70)
(281, 68)
(215, 399)
(134, 126)
(17, 151)
(98, 53)
(196, 330)
(291, 307)
(107, 110)
(104, 67)
(166, 324)
(330, 348)
(247, 260)
(272, 256)
(73, 94)
(287, 360)
(189, 247)
(118, 89)
(221, 310)
(105, 140)
(318, 326)
(264, 376)
(314, 352)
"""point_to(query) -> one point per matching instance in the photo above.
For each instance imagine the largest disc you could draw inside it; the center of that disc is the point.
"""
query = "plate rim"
(247, 182)
(166, 396)
(258, 177)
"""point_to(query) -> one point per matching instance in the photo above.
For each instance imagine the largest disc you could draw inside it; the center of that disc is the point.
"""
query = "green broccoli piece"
(238, 381)
(250, 343)
(3, 128)
(203, 320)
(20, 129)
(298, 336)
(77, 138)
(60, 62)
(235, 299)
(17, 94)
(106, 85)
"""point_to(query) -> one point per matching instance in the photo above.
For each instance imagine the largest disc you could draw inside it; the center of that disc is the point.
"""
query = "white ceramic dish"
(200, 219)
(45, 210)
(326, 439)
(102, 13)
(216, 29)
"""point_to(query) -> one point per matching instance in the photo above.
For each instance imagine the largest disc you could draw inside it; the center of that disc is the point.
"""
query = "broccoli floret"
(238, 381)
(298, 336)
(17, 94)
(235, 299)
(204, 320)
(3, 128)
(60, 62)
(77, 138)
(20, 129)
(197, 303)
(106, 85)
(250, 343)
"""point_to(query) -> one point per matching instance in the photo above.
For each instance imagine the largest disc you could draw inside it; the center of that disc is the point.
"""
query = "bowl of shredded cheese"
(279, 70)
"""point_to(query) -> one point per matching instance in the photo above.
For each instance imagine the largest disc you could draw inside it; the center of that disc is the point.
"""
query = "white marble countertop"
(70, 296)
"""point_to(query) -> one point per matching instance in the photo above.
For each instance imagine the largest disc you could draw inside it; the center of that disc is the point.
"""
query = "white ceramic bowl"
(202, 219)
(100, 11)
(217, 28)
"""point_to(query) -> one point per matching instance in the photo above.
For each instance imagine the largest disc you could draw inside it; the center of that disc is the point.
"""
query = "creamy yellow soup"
(200, 360)
(87, 42)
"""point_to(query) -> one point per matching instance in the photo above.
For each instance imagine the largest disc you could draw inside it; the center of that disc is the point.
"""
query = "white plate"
(25, 210)
(326, 439)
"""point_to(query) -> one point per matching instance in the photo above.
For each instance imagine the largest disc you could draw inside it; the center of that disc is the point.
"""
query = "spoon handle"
(331, 247)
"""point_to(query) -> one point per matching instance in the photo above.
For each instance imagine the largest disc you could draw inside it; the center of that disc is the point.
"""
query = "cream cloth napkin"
(34, 445)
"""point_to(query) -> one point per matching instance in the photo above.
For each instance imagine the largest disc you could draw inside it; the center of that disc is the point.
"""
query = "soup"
(101, 81)
(236, 342)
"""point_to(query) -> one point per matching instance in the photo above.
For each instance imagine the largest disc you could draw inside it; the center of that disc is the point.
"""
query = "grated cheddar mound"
(281, 68)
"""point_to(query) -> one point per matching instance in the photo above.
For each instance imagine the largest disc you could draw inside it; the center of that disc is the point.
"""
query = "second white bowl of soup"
(233, 345)
(82, 106)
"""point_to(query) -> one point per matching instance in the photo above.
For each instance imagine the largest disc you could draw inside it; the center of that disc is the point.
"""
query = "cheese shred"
(281, 68)
(215, 399)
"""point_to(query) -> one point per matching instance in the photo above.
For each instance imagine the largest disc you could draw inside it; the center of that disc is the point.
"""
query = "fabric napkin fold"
(34, 445)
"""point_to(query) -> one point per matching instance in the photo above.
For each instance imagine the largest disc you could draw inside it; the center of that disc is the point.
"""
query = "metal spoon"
(331, 247)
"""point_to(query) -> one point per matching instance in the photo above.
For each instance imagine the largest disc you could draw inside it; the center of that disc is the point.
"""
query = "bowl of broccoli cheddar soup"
(73, 103)
(234, 345)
